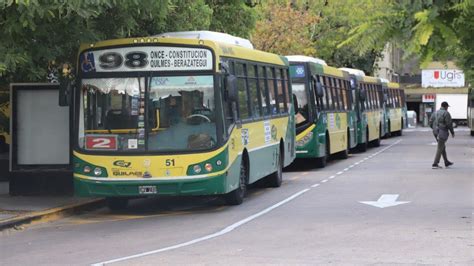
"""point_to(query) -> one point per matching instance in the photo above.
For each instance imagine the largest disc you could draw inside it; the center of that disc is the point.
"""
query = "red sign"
(101, 142)
(429, 98)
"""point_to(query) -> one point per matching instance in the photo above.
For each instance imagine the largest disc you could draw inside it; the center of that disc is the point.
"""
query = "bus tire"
(117, 203)
(377, 141)
(321, 162)
(275, 179)
(236, 196)
(400, 133)
(389, 132)
(472, 132)
(364, 146)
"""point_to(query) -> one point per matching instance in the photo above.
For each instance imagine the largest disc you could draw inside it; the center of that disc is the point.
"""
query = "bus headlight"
(197, 169)
(87, 169)
(208, 167)
(97, 171)
(305, 140)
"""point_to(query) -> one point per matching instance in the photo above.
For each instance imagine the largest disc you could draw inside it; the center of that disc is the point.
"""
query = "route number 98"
(113, 60)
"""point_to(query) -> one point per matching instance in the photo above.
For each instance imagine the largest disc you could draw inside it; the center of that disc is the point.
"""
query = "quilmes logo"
(122, 163)
(448, 75)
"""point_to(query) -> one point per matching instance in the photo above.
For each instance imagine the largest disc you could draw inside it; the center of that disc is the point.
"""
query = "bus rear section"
(394, 108)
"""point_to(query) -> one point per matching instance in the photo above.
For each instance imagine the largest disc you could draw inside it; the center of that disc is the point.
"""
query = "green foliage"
(316, 28)
(337, 20)
(46, 34)
(277, 33)
(433, 30)
(235, 17)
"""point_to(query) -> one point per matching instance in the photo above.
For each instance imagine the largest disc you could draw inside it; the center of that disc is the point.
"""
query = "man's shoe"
(435, 166)
(448, 163)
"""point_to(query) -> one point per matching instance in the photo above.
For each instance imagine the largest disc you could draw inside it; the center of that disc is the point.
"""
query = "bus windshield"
(175, 114)
(183, 113)
(302, 116)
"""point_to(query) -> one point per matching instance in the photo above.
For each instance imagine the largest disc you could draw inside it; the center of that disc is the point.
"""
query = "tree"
(277, 31)
(235, 17)
(337, 18)
(43, 35)
(315, 28)
(434, 30)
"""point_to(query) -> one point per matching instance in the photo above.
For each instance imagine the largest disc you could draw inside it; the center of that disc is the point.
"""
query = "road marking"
(305, 173)
(331, 177)
(324, 181)
(346, 169)
(386, 200)
(233, 226)
(224, 231)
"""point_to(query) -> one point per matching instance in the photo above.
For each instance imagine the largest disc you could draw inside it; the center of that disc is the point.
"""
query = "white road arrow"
(386, 200)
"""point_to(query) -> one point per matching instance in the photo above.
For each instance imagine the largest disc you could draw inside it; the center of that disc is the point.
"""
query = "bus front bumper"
(190, 187)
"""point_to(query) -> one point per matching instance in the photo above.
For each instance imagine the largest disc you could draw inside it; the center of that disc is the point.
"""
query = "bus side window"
(281, 94)
(344, 94)
(254, 91)
(328, 92)
(242, 102)
(271, 91)
(263, 90)
(319, 99)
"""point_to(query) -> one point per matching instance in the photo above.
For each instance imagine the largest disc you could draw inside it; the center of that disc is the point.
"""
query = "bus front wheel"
(377, 141)
(236, 196)
(321, 162)
(117, 203)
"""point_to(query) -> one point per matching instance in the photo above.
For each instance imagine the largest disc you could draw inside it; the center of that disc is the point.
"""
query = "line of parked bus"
(339, 110)
(203, 113)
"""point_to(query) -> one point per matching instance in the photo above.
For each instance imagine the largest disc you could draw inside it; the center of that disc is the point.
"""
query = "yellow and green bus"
(394, 108)
(325, 116)
(368, 97)
(180, 114)
(470, 111)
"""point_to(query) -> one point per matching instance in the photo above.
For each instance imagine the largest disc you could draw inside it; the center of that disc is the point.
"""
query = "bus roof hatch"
(208, 35)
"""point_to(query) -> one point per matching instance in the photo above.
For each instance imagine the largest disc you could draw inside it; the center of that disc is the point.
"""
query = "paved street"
(316, 217)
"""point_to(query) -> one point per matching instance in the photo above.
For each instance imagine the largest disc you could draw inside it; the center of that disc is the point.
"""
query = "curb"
(58, 212)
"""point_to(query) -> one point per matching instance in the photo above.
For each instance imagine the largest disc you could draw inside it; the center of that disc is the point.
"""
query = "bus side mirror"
(231, 86)
(319, 89)
(295, 103)
(65, 92)
(362, 95)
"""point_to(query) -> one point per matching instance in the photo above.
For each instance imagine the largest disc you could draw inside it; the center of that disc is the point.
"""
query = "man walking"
(440, 122)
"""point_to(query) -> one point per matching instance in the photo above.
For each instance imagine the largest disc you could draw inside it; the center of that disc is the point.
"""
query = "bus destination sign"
(146, 58)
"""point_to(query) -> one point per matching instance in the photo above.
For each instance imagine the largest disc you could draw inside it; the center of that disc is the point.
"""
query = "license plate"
(147, 189)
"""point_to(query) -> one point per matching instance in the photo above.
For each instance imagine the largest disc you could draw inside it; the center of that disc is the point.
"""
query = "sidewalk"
(18, 210)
